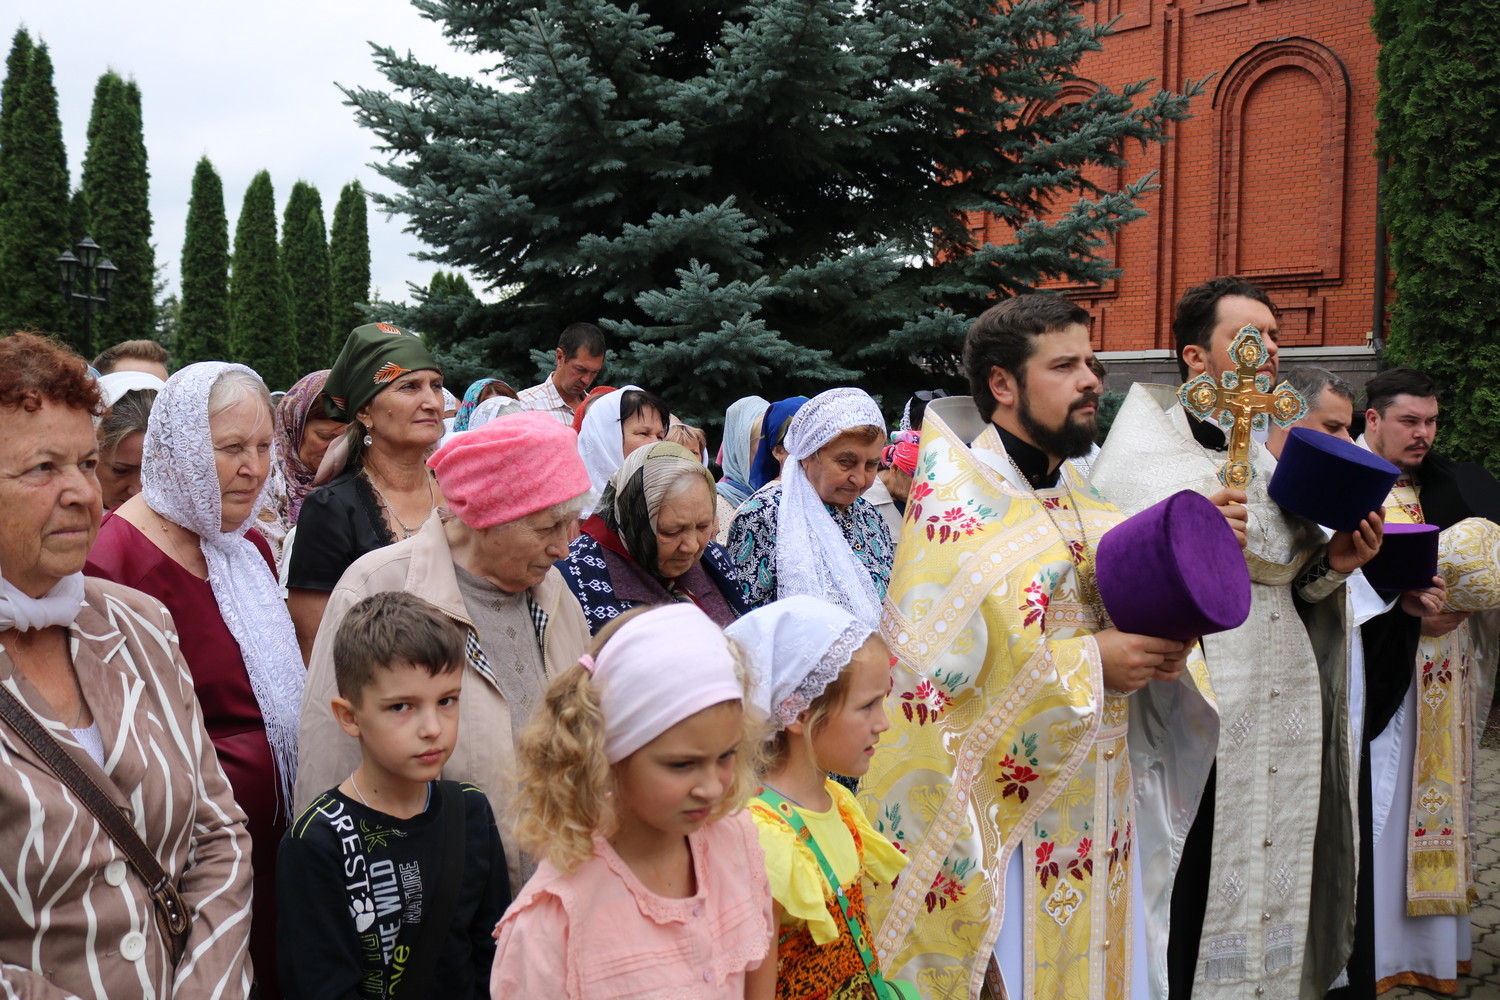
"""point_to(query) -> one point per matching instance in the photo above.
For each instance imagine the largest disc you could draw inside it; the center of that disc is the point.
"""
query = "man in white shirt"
(580, 359)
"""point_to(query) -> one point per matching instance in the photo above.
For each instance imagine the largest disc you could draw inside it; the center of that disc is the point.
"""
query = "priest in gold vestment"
(1422, 765)
(1042, 767)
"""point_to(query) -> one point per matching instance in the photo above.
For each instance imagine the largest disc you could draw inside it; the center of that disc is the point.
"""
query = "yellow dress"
(815, 953)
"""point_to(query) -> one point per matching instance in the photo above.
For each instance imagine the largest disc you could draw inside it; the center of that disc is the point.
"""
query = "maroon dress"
(123, 554)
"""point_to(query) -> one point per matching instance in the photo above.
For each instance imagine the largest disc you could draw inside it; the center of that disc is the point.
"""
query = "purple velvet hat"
(1330, 481)
(1407, 560)
(1175, 571)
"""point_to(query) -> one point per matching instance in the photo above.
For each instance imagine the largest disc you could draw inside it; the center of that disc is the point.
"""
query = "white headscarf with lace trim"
(181, 483)
(812, 555)
(798, 646)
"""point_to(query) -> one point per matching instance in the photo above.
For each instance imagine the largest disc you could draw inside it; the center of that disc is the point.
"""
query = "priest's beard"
(1074, 439)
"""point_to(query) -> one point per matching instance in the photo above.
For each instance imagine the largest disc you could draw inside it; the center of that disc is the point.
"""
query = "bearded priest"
(1264, 906)
(1023, 725)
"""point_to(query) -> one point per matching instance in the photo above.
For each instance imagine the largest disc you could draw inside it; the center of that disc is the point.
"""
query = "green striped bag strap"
(793, 818)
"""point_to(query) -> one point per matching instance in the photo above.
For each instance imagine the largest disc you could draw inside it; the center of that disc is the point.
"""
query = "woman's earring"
(367, 441)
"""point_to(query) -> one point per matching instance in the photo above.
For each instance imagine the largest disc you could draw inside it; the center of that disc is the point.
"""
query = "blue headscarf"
(772, 431)
(471, 400)
(740, 421)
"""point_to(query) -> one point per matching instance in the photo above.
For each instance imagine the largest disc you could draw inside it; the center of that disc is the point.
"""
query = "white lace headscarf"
(181, 483)
(798, 646)
(812, 555)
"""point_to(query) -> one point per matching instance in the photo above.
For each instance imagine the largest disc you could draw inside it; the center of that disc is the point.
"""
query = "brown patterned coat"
(75, 920)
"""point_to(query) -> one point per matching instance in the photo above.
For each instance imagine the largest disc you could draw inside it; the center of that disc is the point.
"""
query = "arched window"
(1281, 144)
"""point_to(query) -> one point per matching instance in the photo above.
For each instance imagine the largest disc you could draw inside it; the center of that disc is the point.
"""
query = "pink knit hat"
(509, 468)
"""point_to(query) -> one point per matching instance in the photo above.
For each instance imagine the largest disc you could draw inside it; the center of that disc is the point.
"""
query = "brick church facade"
(1274, 177)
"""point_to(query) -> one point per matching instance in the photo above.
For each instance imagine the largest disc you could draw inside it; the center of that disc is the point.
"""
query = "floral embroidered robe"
(1287, 761)
(1440, 862)
(1004, 740)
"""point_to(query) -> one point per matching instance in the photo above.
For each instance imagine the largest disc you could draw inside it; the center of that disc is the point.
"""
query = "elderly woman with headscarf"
(389, 388)
(128, 397)
(765, 466)
(303, 432)
(741, 436)
(515, 486)
(814, 533)
(650, 542)
(93, 670)
(616, 424)
(186, 541)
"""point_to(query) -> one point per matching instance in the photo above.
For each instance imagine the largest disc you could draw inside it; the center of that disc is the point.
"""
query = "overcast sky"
(249, 85)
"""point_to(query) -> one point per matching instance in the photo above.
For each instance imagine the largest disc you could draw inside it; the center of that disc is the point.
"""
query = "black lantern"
(87, 267)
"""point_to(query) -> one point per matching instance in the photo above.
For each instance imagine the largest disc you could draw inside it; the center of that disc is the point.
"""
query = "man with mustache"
(1421, 760)
(1006, 775)
(1264, 899)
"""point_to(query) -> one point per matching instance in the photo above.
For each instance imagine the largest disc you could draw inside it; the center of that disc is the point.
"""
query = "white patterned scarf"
(798, 646)
(180, 482)
(812, 555)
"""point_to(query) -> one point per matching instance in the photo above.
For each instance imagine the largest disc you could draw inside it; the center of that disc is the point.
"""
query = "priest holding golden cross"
(1243, 400)
(1264, 899)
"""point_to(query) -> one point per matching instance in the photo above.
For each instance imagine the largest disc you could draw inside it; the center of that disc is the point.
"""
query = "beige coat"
(75, 919)
(485, 755)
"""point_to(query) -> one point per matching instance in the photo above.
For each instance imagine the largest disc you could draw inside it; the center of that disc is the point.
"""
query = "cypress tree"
(34, 213)
(261, 333)
(1439, 74)
(349, 253)
(809, 161)
(203, 319)
(116, 192)
(304, 249)
(10, 92)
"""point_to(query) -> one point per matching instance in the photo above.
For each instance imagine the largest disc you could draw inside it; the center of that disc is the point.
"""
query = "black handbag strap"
(163, 892)
(437, 919)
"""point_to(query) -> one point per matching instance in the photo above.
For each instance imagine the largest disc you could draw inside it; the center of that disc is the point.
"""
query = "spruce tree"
(1439, 73)
(814, 156)
(116, 193)
(304, 251)
(203, 320)
(349, 253)
(34, 212)
(261, 333)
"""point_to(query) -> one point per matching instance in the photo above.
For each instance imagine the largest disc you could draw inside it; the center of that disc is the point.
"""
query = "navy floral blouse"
(752, 542)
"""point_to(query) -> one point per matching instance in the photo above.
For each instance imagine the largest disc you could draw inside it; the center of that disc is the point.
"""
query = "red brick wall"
(1274, 176)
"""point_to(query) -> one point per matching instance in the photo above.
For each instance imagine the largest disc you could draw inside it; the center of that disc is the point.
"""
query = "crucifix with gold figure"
(1243, 402)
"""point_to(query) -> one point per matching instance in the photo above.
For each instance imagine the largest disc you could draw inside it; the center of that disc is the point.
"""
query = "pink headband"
(661, 667)
(513, 466)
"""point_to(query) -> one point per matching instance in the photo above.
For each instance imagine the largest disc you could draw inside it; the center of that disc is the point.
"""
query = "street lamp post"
(91, 271)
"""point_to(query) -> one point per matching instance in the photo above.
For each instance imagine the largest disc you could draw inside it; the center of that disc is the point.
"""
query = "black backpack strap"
(437, 918)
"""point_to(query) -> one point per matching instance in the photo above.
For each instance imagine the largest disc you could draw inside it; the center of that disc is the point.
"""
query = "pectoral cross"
(1243, 402)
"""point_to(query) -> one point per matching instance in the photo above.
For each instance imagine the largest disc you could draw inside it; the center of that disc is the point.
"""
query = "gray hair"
(1311, 380)
(234, 386)
(128, 416)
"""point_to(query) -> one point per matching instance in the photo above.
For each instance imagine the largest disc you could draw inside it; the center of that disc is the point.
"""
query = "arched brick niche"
(1281, 144)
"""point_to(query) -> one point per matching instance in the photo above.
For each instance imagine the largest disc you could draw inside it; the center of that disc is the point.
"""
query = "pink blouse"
(602, 935)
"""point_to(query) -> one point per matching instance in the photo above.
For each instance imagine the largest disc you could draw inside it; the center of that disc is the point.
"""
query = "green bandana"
(374, 356)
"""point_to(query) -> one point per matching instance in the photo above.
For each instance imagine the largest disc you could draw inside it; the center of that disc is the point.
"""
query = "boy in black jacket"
(390, 884)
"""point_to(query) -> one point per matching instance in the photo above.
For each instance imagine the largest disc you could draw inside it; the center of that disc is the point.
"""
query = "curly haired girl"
(633, 774)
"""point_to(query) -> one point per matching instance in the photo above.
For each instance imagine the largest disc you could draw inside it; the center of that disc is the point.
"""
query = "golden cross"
(1243, 401)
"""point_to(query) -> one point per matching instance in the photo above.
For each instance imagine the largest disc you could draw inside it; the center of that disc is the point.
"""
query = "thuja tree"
(1438, 117)
(757, 197)
(349, 255)
(304, 255)
(118, 209)
(34, 214)
(203, 320)
(261, 334)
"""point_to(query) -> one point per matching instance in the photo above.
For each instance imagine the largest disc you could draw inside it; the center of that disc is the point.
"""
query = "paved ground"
(1484, 983)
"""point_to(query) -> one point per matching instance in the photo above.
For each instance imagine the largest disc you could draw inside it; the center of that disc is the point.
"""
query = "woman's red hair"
(36, 370)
